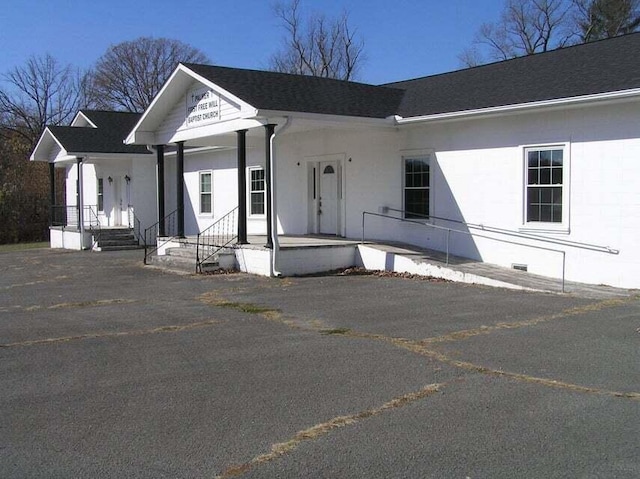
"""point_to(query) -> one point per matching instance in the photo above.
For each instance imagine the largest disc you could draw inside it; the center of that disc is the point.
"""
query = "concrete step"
(120, 247)
(117, 242)
(182, 252)
(181, 261)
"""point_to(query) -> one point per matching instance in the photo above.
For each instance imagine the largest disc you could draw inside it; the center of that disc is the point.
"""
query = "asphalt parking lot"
(110, 369)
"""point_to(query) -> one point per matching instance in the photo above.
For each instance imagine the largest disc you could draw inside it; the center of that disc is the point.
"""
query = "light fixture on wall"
(127, 178)
(110, 180)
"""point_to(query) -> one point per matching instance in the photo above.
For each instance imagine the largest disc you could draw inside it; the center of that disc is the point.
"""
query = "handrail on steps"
(490, 229)
(151, 234)
(216, 237)
(94, 224)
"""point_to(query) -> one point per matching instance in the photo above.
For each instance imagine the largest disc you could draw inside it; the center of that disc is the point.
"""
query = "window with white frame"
(206, 197)
(545, 183)
(256, 191)
(417, 179)
(100, 195)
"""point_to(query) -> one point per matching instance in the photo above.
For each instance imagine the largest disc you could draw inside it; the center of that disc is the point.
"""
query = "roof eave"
(388, 121)
(143, 137)
(35, 156)
(520, 107)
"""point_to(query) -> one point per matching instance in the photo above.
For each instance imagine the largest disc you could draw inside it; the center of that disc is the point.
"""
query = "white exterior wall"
(478, 175)
(140, 192)
(89, 184)
(143, 190)
(224, 177)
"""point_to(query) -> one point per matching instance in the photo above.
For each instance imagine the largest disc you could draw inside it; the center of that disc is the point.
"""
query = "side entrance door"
(328, 198)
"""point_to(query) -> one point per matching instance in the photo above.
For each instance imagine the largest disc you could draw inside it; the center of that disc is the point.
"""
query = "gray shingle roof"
(297, 93)
(108, 137)
(598, 67)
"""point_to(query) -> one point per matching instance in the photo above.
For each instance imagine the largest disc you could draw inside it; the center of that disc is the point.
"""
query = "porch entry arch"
(326, 205)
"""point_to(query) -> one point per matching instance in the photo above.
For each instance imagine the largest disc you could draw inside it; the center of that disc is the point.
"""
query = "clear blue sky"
(403, 38)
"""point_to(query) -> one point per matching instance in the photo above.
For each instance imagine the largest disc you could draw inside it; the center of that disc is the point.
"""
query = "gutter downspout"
(273, 272)
(79, 161)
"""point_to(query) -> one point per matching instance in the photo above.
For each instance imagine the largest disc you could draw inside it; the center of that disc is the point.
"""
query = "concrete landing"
(408, 259)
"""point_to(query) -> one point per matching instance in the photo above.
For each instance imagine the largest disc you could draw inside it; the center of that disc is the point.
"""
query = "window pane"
(416, 203)
(533, 176)
(545, 176)
(416, 173)
(556, 176)
(545, 157)
(533, 159)
(257, 203)
(557, 195)
(556, 211)
(545, 213)
(533, 213)
(205, 183)
(205, 203)
(556, 157)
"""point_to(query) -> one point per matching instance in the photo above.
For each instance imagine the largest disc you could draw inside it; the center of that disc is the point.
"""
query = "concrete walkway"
(497, 275)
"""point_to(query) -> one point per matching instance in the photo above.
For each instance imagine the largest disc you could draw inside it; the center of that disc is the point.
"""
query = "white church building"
(529, 163)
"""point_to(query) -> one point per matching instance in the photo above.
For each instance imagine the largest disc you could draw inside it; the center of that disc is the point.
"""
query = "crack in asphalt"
(469, 333)
(115, 334)
(279, 449)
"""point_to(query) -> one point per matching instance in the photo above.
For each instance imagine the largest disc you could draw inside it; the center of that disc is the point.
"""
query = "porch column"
(52, 192)
(242, 186)
(180, 188)
(160, 185)
(269, 130)
(80, 191)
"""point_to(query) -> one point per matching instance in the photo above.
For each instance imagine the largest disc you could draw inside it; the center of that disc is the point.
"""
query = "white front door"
(120, 207)
(328, 197)
(117, 201)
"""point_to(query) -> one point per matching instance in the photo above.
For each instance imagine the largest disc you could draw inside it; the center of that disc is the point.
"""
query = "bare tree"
(598, 19)
(130, 74)
(41, 92)
(318, 46)
(525, 27)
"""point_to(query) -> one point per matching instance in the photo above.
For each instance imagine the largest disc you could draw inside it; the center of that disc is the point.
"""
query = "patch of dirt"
(357, 271)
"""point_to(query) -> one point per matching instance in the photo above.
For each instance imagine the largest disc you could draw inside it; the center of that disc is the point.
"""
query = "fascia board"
(83, 116)
(362, 120)
(131, 137)
(46, 135)
(213, 129)
(520, 107)
(93, 157)
(244, 106)
(247, 111)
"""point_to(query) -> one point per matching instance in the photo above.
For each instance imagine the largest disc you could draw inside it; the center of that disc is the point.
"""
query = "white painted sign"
(203, 106)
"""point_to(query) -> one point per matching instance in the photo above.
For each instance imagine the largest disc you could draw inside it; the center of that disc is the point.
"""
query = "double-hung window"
(206, 197)
(256, 191)
(545, 184)
(100, 195)
(416, 187)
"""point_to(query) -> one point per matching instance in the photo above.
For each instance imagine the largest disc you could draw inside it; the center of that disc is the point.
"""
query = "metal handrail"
(94, 223)
(519, 234)
(506, 232)
(216, 237)
(151, 234)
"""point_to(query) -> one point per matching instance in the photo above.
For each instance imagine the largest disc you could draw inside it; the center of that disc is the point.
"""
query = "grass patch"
(213, 299)
(246, 307)
(336, 331)
(7, 248)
